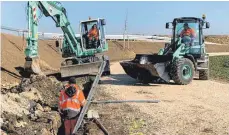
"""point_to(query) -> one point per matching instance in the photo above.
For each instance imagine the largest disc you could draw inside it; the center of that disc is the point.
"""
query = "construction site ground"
(198, 108)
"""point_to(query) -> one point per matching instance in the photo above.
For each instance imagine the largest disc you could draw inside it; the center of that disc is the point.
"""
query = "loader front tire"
(182, 71)
(204, 74)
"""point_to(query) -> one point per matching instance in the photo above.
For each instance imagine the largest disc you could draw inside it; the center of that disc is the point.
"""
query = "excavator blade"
(32, 65)
(148, 68)
(80, 69)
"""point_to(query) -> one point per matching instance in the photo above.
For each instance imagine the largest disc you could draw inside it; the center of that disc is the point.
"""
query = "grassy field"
(219, 68)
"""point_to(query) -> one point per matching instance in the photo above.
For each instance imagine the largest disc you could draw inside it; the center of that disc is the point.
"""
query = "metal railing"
(42, 35)
(24, 32)
(13, 29)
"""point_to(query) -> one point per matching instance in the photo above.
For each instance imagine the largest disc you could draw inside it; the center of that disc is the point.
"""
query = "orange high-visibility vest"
(71, 103)
(93, 33)
(188, 32)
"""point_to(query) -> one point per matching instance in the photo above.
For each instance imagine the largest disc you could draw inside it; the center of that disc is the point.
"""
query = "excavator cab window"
(90, 34)
(93, 34)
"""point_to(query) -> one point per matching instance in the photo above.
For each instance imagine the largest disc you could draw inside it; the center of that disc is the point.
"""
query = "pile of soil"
(116, 51)
(224, 39)
(13, 58)
(31, 107)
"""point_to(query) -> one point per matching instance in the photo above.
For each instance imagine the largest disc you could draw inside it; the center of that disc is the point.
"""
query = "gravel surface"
(198, 108)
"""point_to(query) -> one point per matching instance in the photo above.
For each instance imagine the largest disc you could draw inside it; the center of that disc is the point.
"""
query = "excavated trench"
(30, 107)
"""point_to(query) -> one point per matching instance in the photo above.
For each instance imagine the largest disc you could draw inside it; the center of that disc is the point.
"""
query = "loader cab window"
(189, 33)
(90, 34)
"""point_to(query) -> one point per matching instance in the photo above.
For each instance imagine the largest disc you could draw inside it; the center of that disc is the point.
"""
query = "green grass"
(219, 68)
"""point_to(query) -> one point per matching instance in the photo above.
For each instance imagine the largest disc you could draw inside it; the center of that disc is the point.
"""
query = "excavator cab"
(93, 34)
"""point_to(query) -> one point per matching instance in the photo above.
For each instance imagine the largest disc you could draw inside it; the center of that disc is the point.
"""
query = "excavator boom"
(74, 50)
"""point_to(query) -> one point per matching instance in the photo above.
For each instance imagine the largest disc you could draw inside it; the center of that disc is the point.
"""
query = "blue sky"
(143, 17)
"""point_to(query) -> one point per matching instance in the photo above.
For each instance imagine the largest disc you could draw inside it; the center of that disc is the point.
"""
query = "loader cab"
(189, 31)
(93, 34)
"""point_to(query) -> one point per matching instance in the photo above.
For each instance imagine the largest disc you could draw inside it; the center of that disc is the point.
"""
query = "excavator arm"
(58, 13)
(82, 60)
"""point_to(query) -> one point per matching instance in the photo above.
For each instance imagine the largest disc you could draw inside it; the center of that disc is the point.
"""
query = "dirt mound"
(49, 88)
(13, 57)
(31, 107)
(217, 48)
(117, 52)
(218, 39)
(46, 67)
(141, 47)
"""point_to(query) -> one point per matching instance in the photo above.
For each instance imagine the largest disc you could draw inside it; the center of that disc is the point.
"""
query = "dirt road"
(219, 53)
(200, 108)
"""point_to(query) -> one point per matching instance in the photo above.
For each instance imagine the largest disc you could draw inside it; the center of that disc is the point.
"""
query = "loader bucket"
(80, 69)
(148, 68)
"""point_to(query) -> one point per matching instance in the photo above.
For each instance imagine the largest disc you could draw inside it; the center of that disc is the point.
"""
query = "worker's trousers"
(69, 125)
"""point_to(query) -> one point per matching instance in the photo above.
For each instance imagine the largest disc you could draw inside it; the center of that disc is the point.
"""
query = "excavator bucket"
(148, 68)
(80, 69)
(32, 65)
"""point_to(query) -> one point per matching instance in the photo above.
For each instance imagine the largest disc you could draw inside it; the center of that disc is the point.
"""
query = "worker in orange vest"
(70, 102)
(93, 33)
(187, 31)
(188, 35)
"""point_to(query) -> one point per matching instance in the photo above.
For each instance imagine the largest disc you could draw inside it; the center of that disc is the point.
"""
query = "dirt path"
(198, 108)
(219, 53)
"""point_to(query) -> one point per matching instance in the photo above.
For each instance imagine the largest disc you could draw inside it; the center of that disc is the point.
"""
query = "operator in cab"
(93, 33)
(70, 102)
(187, 34)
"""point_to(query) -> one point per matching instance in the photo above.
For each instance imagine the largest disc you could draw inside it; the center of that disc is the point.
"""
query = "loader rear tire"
(204, 75)
(182, 71)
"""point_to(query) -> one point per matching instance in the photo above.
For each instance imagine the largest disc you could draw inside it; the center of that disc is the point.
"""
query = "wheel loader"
(81, 55)
(179, 60)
